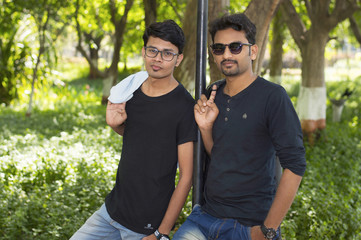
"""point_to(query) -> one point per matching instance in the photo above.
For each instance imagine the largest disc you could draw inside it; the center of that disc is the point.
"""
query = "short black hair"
(167, 30)
(238, 22)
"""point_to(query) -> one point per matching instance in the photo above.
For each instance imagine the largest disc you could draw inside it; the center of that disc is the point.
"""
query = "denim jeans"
(202, 226)
(101, 226)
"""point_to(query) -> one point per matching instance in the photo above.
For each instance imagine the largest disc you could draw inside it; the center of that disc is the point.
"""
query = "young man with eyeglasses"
(158, 128)
(245, 123)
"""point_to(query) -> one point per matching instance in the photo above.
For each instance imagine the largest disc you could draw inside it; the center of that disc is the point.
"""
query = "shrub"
(57, 166)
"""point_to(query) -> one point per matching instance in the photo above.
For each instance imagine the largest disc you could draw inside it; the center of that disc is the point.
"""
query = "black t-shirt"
(154, 128)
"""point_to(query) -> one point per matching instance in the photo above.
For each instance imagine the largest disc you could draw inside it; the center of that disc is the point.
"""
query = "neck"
(155, 87)
(236, 84)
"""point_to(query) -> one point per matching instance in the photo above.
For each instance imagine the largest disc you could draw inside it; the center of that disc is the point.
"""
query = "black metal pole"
(201, 63)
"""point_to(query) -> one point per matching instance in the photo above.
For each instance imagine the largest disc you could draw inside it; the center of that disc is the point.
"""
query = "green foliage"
(57, 166)
(238, 6)
(352, 108)
(13, 52)
(327, 205)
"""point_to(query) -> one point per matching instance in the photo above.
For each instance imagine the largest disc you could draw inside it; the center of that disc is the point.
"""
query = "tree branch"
(294, 23)
(355, 29)
(175, 10)
(309, 8)
(343, 9)
(80, 48)
(119, 31)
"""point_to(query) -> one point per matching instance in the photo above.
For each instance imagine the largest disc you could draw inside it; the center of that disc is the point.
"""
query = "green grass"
(57, 166)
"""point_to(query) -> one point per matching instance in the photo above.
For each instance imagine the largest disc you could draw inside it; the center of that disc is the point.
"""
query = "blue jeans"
(202, 226)
(101, 226)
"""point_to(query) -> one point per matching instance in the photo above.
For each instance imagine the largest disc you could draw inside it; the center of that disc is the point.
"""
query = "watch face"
(270, 234)
(164, 238)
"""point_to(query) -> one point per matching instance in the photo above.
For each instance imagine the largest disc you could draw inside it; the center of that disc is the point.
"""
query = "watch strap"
(161, 236)
(269, 233)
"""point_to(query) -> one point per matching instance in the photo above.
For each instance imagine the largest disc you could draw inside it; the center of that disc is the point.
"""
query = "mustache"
(228, 60)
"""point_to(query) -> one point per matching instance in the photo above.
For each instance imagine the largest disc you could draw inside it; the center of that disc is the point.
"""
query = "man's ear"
(179, 59)
(143, 52)
(253, 51)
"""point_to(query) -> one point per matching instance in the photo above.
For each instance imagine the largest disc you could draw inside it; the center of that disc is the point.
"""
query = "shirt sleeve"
(285, 129)
(187, 128)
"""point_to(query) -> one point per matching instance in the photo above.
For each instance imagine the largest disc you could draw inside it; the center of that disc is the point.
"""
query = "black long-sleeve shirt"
(251, 129)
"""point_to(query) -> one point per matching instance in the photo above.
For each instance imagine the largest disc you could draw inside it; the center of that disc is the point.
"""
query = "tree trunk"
(119, 22)
(94, 56)
(185, 72)
(35, 78)
(150, 10)
(276, 60)
(311, 105)
(120, 25)
(355, 29)
(92, 64)
(261, 12)
(92, 39)
(215, 10)
(42, 28)
(107, 85)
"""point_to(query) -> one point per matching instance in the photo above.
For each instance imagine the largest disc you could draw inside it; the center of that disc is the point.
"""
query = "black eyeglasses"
(234, 47)
(166, 55)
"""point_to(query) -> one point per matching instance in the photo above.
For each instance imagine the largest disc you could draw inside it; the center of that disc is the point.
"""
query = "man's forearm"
(119, 129)
(175, 205)
(285, 195)
(207, 139)
(185, 160)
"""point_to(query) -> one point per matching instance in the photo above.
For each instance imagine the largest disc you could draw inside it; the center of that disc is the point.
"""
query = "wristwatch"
(161, 236)
(269, 233)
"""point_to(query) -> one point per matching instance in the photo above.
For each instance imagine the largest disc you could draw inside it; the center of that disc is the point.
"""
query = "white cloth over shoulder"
(124, 90)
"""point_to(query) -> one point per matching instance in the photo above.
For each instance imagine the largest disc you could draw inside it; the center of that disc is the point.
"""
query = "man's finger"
(197, 109)
(122, 105)
(201, 103)
(213, 93)
(203, 99)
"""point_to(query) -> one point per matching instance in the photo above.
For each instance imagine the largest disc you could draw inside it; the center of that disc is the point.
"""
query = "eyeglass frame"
(161, 53)
(240, 44)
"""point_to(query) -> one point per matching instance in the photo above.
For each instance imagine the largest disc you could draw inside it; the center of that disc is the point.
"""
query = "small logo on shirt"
(149, 226)
(244, 116)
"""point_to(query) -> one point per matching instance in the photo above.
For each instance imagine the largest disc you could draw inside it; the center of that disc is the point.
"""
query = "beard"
(230, 72)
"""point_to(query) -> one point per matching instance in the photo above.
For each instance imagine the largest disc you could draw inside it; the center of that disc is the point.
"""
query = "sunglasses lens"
(218, 48)
(235, 47)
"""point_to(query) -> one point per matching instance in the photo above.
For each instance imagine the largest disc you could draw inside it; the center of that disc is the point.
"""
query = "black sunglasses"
(234, 47)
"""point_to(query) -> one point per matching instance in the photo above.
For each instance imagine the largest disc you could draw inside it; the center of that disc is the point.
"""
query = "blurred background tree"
(108, 35)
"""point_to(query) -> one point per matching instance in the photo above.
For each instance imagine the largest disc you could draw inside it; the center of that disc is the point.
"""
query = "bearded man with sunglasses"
(154, 114)
(245, 123)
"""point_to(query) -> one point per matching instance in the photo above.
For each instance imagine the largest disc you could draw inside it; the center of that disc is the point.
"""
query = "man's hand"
(256, 233)
(206, 111)
(150, 237)
(116, 114)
